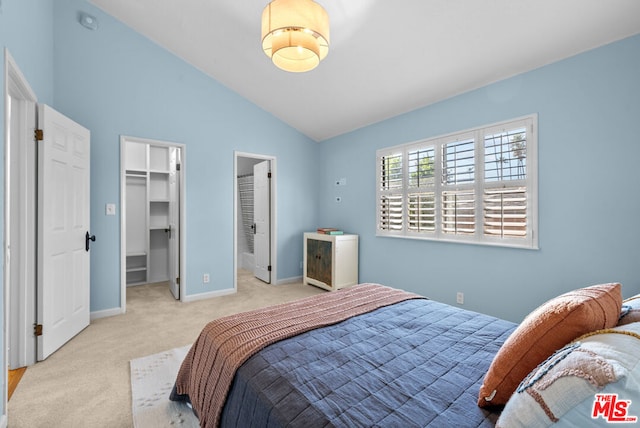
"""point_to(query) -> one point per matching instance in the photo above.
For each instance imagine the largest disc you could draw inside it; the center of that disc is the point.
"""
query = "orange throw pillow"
(545, 330)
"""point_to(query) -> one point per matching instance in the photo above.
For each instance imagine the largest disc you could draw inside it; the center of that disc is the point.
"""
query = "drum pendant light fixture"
(295, 34)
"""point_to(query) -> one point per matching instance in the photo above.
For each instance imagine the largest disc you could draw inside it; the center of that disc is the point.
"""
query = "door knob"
(87, 239)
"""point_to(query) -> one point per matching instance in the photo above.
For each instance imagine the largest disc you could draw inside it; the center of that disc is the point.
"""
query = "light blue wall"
(26, 30)
(589, 147)
(116, 82)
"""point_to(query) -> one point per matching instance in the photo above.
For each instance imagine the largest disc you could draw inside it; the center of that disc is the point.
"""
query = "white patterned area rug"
(152, 379)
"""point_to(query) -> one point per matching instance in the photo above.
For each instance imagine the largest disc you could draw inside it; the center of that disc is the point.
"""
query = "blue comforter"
(415, 363)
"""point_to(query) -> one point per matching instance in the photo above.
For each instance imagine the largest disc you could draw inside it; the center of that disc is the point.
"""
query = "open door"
(174, 222)
(63, 230)
(262, 220)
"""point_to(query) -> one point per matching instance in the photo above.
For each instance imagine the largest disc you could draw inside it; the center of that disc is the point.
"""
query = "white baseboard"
(201, 296)
(289, 280)
(208, 295)
(106, 313)
(3, 420)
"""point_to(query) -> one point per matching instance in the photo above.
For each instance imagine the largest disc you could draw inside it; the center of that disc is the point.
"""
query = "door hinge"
(269, 268)
(177, 167)
(268, 174)
(178, 280)
(37, 329)
(39, 134)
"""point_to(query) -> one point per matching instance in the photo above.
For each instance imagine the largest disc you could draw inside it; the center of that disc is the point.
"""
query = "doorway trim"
(123, 211)
(272, 213)
(18, 324)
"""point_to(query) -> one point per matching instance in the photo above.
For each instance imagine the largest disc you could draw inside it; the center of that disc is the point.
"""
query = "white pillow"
(630, 310)
(564, 388)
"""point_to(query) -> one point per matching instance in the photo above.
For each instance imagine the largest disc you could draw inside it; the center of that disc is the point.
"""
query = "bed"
(365, 356)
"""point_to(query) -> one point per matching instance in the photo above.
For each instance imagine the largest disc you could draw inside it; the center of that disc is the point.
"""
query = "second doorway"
(255, 228)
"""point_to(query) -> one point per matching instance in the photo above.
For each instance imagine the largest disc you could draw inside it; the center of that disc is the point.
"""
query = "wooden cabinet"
(330, 261)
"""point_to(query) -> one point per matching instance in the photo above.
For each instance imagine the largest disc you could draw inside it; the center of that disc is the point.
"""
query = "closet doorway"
(255, 230)
(152, 216)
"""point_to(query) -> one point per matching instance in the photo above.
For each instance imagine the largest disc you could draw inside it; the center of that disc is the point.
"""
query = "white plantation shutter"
(391, 172)
(458, 159)
(391, 212)
(421, 199)
(390, 187)
(421, 167)
(458, 174)
(505, 175)
(505, 212)
(505, 155)
(422, 212)
(459, 212)
(477, 186)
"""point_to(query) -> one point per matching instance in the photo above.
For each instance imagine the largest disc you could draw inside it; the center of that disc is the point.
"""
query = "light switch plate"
(110, 209)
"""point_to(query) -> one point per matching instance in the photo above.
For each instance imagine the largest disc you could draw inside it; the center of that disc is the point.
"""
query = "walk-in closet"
(152, 174)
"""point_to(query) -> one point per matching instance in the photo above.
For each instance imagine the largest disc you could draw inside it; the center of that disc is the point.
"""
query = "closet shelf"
(136, 173)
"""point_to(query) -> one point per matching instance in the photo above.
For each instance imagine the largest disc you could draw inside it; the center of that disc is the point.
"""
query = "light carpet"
(152, 379)
(87, 382)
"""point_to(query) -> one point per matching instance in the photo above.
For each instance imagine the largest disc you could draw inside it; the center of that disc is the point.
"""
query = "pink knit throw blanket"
(208, 369)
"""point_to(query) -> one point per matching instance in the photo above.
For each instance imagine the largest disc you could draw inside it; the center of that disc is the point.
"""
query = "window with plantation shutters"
(477, 186)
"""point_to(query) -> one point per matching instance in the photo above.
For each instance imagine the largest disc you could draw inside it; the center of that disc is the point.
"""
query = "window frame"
(478, 186)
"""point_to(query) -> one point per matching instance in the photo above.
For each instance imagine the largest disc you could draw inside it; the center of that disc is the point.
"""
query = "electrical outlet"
(460, 298)
(205, 278)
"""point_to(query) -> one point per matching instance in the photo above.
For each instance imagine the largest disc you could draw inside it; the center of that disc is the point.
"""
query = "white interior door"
(63, 222)
(174, 221)
(261, 218)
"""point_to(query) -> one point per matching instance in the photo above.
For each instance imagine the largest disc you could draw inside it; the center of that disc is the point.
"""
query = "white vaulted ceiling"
(387, 57)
